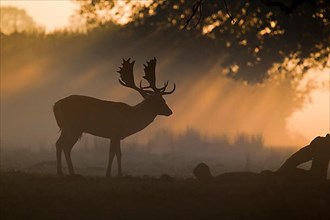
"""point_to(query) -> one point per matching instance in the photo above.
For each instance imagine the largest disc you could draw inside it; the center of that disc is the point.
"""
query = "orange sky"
(314, 118)
(52, 14)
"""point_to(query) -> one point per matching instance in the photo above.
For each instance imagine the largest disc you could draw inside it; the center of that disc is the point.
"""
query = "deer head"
(152, 95)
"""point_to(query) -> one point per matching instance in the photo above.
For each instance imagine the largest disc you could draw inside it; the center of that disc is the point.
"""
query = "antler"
(127, 77)
(150, 76)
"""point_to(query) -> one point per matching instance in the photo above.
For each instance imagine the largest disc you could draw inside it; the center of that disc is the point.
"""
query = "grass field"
(36, 196)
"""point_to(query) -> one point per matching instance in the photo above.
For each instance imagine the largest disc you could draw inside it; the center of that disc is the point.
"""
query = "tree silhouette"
(264, 32)
(16, 20)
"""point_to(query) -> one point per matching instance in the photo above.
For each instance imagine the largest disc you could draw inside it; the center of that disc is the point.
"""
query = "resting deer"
(77, 114)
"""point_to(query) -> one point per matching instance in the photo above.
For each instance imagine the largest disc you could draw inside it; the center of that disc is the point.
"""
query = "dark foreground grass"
(35, 196)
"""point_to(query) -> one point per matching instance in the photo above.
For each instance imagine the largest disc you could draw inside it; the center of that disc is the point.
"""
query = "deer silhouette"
(77, 114)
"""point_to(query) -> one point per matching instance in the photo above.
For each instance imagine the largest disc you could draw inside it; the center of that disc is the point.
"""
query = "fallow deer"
(77, 114)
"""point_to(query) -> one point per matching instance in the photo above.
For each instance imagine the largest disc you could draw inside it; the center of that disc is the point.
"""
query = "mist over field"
(257, 113)
(41, 70)
(164, 154)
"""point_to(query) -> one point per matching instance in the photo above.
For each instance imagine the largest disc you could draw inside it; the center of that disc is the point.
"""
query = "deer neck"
(145, 113)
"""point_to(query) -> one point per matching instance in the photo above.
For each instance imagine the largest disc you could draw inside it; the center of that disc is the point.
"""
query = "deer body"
(77, 114)
(107, 119)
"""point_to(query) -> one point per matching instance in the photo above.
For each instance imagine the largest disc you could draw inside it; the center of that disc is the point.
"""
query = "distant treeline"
(165, 153)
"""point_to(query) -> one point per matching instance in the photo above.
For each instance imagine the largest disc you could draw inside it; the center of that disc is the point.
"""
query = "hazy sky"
(52, 14)
(314, 118)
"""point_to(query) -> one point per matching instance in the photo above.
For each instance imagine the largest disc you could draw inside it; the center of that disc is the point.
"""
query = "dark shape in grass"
(318, 151)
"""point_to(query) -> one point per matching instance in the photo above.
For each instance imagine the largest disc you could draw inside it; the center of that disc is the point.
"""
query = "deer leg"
(118, 155)
(67, 154)
(112, 152)
(59, 149)
(70, 141)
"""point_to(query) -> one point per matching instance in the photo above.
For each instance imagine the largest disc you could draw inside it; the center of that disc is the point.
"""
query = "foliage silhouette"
(261, 36)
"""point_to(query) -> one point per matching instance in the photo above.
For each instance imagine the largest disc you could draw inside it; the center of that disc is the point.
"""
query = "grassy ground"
(36, 196)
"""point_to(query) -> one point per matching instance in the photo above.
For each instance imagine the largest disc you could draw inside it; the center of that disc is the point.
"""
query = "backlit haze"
(50, 14)
(210, 103)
